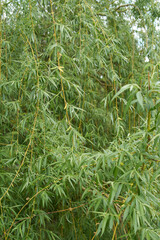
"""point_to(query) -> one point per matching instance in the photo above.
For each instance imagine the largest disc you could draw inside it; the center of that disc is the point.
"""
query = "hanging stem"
(149, 112)
(133, 49)
(59, 66)
(129, 120)
(114, 87)
(0, 41)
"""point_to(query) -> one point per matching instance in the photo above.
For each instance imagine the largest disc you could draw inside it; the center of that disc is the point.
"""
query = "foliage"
(80, 135)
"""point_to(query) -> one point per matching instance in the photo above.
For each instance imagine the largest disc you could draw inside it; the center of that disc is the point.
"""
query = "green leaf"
(140, 98)
(111, 221)
(124, 88)
(125, 214)
(104, 222)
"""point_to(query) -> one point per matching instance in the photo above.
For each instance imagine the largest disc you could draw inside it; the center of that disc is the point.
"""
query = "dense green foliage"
(79, 120)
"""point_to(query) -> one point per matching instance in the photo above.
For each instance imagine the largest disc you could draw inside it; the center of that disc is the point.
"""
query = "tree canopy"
(79, 119)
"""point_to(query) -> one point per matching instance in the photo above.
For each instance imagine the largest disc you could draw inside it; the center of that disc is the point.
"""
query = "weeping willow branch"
(136, 7)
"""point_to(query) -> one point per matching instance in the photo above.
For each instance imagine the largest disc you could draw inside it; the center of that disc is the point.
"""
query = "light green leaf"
(140, 98)
(124, 88)
(126, 213)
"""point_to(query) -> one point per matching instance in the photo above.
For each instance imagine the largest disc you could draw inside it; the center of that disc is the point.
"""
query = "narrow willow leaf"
(140, 98)
(125, 214)
(111, 222)
(124, 88)
(104, 222)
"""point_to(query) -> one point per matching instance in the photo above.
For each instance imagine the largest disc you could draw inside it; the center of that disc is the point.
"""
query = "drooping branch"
(133, 5)
(126, 5)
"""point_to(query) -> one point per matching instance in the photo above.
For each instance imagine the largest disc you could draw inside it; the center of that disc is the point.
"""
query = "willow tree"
(79, 143)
